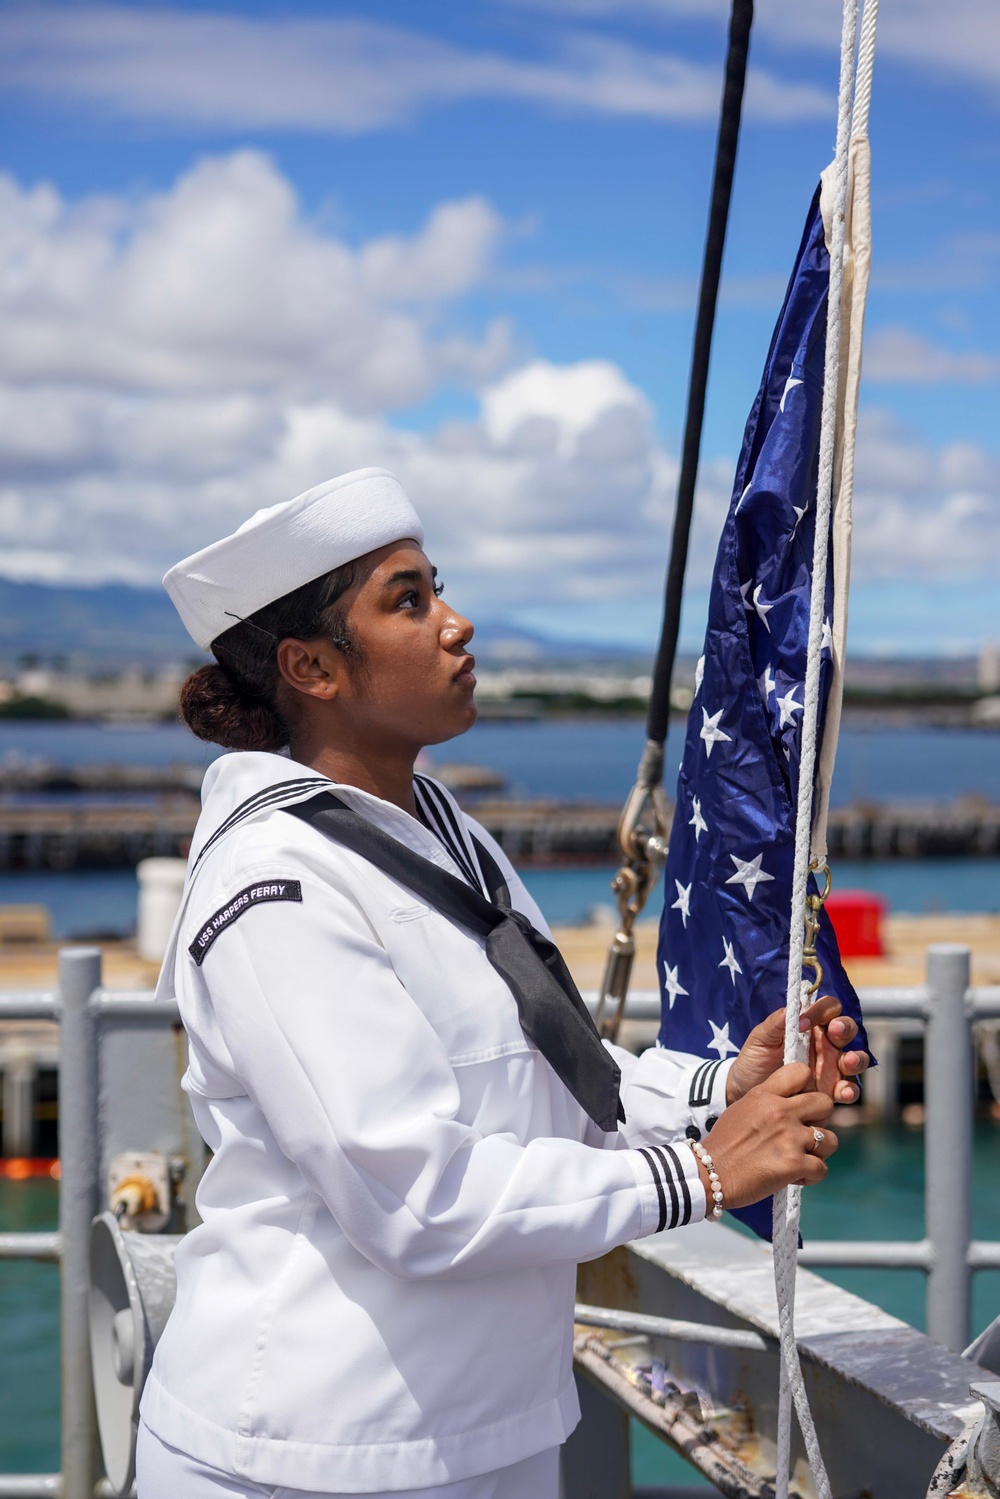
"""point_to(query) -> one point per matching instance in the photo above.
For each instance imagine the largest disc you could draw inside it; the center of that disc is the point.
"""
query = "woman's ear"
(314, 667)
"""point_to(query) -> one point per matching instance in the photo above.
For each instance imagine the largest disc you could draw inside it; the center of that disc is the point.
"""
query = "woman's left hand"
(833, 1067)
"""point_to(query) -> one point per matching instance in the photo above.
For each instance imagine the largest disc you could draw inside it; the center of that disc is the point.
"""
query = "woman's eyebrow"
(408, 575)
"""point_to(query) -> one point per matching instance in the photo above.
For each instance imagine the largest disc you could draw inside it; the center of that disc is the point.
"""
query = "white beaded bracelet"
(713, 1179)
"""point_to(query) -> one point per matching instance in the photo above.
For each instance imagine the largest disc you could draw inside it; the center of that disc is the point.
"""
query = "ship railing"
(946, 1006)
(80, 1005)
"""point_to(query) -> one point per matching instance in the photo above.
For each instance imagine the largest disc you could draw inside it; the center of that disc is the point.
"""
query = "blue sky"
(246, 246)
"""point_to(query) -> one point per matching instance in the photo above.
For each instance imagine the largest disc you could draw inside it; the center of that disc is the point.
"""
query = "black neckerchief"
(551, 1011)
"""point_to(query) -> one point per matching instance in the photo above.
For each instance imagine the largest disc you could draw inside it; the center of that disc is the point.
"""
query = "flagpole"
(643, 848)
(725, 162)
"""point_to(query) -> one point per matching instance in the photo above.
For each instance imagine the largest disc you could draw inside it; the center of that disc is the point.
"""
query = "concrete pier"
(84, 832)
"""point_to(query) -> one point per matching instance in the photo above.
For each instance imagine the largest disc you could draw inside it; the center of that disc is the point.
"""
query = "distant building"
(131, 694)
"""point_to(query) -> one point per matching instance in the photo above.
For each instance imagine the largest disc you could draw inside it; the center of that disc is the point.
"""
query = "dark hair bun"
(216, 707)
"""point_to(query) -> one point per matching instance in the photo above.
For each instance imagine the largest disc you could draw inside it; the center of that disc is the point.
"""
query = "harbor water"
(591, 760)
(875, 1189)
(571, 758)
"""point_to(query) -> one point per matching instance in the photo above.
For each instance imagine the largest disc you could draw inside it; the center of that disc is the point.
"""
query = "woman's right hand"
(766, 1139)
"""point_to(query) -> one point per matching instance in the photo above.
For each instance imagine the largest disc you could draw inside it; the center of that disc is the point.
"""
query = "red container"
(857, 920)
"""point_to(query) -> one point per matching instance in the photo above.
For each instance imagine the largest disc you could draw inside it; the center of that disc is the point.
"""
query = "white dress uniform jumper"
(400, 1102)
(379, 1297)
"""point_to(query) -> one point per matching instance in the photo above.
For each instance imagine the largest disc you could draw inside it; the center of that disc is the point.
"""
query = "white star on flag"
(699, 675)
(763, 610)
(790, 385)
(789, 707)
(729, 961)
(826, 644)
(720, 1041)
(697, 821)
(671, 985)
(748, 874)
(766, 683)
(683, 901)
(710, 731)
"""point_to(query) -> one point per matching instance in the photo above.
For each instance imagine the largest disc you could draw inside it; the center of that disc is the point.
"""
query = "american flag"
(724, 935)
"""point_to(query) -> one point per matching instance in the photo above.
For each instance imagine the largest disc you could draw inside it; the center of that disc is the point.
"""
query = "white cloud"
(905, 357)
(579, 515)
(923, 513)
(167, 366)
(964, 262)
(547, 408)
(961, 39)
(221, 283)
(233, 72)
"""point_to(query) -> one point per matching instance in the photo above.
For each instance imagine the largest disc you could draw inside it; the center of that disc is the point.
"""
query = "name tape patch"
(253, 895)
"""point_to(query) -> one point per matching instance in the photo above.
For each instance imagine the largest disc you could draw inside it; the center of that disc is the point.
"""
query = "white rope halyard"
(807, 835)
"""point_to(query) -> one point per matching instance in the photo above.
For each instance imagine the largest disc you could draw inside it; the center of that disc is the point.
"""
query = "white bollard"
(161, 885)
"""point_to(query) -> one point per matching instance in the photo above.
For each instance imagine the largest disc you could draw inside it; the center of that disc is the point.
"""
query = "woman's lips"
(464, 676)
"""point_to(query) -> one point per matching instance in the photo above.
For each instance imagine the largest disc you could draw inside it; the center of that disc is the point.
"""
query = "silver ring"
(818, 1137)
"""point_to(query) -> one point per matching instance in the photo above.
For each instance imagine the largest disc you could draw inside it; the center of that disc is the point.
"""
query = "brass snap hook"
(814, 904)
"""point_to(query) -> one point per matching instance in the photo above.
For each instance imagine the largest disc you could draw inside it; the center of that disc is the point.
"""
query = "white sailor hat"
(286, 545)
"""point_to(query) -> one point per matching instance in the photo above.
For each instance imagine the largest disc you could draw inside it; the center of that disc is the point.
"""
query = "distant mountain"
(113, 625)
(498, 645)
(116, 626)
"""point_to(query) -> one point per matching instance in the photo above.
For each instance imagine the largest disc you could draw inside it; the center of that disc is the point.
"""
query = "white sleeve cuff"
(670, 1186)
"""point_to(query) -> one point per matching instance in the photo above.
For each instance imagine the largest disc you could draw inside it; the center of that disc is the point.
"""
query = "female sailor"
(415, 1133)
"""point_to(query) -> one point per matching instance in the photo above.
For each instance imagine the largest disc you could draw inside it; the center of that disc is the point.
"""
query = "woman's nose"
(457, 630)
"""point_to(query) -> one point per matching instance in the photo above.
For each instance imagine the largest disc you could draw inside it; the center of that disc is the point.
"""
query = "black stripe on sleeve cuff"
(682, 1179)
(658, 1181)
(702, 1084)
(668, 1176)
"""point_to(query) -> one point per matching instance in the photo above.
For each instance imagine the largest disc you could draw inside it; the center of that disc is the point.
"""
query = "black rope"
(725, 161)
